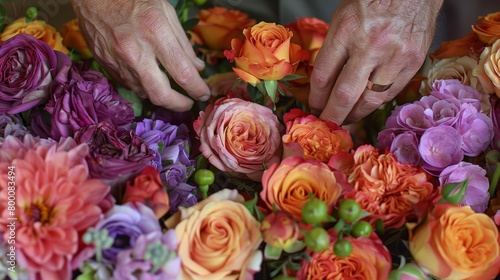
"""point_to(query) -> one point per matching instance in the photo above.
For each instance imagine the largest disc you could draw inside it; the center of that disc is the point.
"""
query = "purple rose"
(153, 256)
(114, 153)
(125, 223)
(405, 148)
(476, 130)
(85, 99)
(477, 195)
(11, 125)
(454, 89)
(495, 117)
(28, 67)
(440, 147)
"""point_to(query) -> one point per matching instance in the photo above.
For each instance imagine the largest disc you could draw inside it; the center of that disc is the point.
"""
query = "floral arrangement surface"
(96, 183)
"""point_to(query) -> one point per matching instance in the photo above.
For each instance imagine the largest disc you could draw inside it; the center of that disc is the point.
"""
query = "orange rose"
(287, 186)
(39, 29)
(488, 28)
(216, 28)
(454, 242)
(267, 53)
(369, 259)
(386, 188)
(73, 38)
(467, 45)
(309, 33)
(218, 238)
(488, 69)
(318, 138)
(148, 189)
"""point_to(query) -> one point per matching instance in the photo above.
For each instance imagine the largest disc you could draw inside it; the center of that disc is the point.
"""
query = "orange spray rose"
(488, 28)
(73, 38)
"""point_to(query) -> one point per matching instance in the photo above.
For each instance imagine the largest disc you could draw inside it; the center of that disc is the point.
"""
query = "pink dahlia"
(55, 203)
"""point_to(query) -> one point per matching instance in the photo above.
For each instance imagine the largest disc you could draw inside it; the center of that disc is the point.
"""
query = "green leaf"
(133, 98)
(251, 204)
(272, 253)
(3, 17)
(295, 247)
(190, 24)
(292, 77)
(271, 88)
(454, 193)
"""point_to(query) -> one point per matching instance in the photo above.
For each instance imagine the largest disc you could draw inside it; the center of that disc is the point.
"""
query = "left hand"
(381, 41)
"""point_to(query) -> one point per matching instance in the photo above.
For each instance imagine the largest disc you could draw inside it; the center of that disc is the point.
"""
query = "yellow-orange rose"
(218, 238)
(73, 38)
(266, 54)
(467, 45)
(488, 69)
(386, 188)
(309, 33)
(454, 242)
(37, 28)
(217, 26)
(319, 139)
(488, 28)
(368, 260)
(287, 186)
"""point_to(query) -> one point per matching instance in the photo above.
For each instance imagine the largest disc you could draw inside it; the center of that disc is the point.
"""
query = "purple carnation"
(11, 125)
(440, 147)
(125, 223)
(454, 89)
(477, 195)
(405, 148)
(476, 130)
(28, 67)
(153, 256)
(181, 195)
(114, 154)
(84, 99)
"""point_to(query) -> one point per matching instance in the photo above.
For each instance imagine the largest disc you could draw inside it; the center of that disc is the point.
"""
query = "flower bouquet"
(96, 183)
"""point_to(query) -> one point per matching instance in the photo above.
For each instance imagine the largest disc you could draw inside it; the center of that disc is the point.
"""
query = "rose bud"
(279, 230)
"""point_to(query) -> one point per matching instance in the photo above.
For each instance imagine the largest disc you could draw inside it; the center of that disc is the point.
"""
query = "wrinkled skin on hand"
(382, 41)
(131, 38)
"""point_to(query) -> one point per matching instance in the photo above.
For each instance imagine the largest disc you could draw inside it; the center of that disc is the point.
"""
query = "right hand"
(131, 38)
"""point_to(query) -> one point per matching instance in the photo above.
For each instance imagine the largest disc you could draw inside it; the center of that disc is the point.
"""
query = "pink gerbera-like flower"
(55, 203)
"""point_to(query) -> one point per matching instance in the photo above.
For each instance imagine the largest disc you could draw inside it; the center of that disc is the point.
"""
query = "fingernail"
(200, 62)
(204, 97)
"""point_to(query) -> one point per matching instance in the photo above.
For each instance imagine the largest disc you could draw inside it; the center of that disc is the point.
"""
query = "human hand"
(382, 41)
(131, 38)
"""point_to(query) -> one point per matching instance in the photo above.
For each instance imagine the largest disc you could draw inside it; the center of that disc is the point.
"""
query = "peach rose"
(239, 136)
(488, 69)
(148, 189)
(73, 38)
(38, 29)
(280, 230)
(218, 238)
(216, 28)
(267, 53)
(386, 188)
(488, 28)
(469, 45)
(287, 186)
(454, 242)
(369, 259)
(309, 33)
(319, 139)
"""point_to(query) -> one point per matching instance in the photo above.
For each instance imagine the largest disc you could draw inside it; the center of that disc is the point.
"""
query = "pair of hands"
(381, 41)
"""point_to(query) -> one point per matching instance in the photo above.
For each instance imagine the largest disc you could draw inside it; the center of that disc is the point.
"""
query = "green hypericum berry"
(349, 210)
(31, 14)
(204, 178)
(342, 248)
(317, 239)
(314, 211)
(361, 228)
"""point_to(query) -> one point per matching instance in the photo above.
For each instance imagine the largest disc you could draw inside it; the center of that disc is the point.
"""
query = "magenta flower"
(477, 195)
(476, 129)
(439, 148)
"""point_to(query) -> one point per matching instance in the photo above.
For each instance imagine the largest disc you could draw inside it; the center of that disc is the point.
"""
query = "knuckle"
(320, 81)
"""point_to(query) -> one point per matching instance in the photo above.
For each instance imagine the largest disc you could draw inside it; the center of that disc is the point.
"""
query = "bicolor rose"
(218, 238)
(464, 46)
(488, 27)
(266, 53)
(454, 242)
(239, 136)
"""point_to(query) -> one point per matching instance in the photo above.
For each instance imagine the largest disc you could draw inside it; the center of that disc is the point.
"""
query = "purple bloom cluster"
(11, 125)
(438, 130)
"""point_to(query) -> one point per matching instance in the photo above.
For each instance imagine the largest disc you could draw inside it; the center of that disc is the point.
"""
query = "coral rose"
(287, 186)
(218, 238)
(386, 188)
(318, 138)
(309, 33)
(73, 38)
(469, 45)
(266, 54)
(488, 27)
(488, 69)
(369, 259)
(453, 242)
(280, 230)
(38, 29)
(239, 136)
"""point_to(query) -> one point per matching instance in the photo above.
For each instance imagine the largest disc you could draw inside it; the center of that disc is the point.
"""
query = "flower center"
(39, 212)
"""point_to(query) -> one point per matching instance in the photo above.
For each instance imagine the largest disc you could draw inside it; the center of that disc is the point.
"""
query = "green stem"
(494, 180)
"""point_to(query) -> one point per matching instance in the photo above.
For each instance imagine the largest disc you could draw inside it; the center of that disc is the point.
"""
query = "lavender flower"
(439, 148)
(11, 125)
(476, 130)
(440, 112)
(405, 148)
(477, 195)
(454, 89)
(495, 117)
(153, 256)
(125, 223)
(181, 195)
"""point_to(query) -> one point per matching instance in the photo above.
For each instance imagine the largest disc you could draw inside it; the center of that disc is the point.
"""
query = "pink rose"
(239, 136)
